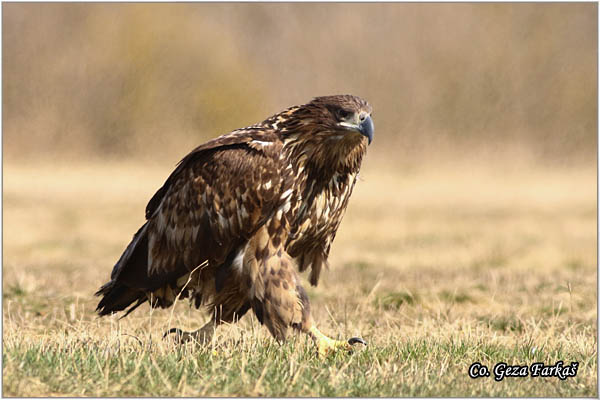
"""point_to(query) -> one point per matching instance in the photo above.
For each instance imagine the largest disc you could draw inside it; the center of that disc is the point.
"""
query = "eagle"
(242, 215)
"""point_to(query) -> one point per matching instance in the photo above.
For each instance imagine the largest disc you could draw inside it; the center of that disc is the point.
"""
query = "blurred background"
(149, 82)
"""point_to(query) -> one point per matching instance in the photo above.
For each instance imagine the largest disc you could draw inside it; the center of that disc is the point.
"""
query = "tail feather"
(117, 297)
(131, 284)
(128, 278)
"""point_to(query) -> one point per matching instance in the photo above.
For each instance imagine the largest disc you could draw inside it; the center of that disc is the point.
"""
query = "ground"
(436, 269)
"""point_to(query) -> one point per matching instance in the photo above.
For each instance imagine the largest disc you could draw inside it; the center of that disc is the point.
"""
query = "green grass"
(423, 367)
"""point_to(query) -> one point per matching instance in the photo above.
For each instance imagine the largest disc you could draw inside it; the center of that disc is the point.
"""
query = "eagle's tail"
(117, 297)
(126, 285)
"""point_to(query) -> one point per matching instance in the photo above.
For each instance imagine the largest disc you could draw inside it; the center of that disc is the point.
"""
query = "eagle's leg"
(287, 304)
(204, 335)
(280, 301)
(200, 336)
(326, 345)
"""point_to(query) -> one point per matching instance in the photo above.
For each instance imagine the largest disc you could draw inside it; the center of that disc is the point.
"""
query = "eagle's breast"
(319, 208)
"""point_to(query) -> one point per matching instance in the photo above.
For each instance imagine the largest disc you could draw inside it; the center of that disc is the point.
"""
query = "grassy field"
(436, 269)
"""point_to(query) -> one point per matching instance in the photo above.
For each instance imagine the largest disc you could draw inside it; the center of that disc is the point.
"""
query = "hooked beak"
(366, 128)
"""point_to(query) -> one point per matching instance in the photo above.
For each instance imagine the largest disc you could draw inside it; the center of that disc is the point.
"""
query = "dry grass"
(436, 269)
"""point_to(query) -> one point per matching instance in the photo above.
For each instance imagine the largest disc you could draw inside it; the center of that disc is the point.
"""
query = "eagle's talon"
(180, 336)
(326, 345)
(201, 336)
(353, 340)
(177, 331)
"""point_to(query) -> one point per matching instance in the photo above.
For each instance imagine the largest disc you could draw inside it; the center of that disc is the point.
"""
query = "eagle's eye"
(343, 114)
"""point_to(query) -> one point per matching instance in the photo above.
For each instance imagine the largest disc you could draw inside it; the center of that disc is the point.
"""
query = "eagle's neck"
(324, 155)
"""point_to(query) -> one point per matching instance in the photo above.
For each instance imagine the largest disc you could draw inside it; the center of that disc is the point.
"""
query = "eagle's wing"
(240, 137)
(216, 199)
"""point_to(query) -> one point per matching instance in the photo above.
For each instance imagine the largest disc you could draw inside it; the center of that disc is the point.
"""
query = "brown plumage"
(242, 212)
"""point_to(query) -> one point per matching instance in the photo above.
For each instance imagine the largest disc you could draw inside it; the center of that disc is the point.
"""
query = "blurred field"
(147, 80)
(435, 269)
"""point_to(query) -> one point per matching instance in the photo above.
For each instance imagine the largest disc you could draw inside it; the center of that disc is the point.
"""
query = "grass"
(435, 270)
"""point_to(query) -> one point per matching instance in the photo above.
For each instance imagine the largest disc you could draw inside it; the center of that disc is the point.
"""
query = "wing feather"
(190, 218)
(238, 138)
(214, 201)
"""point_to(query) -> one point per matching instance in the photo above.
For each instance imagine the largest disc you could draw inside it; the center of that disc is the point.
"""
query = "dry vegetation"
(152, 79)
(436, 270)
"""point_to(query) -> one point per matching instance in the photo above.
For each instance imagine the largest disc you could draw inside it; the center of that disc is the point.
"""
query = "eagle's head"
(332, 131)
(342, 115)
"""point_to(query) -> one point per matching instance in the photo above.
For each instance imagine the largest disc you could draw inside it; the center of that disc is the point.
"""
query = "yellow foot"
(327, 346)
